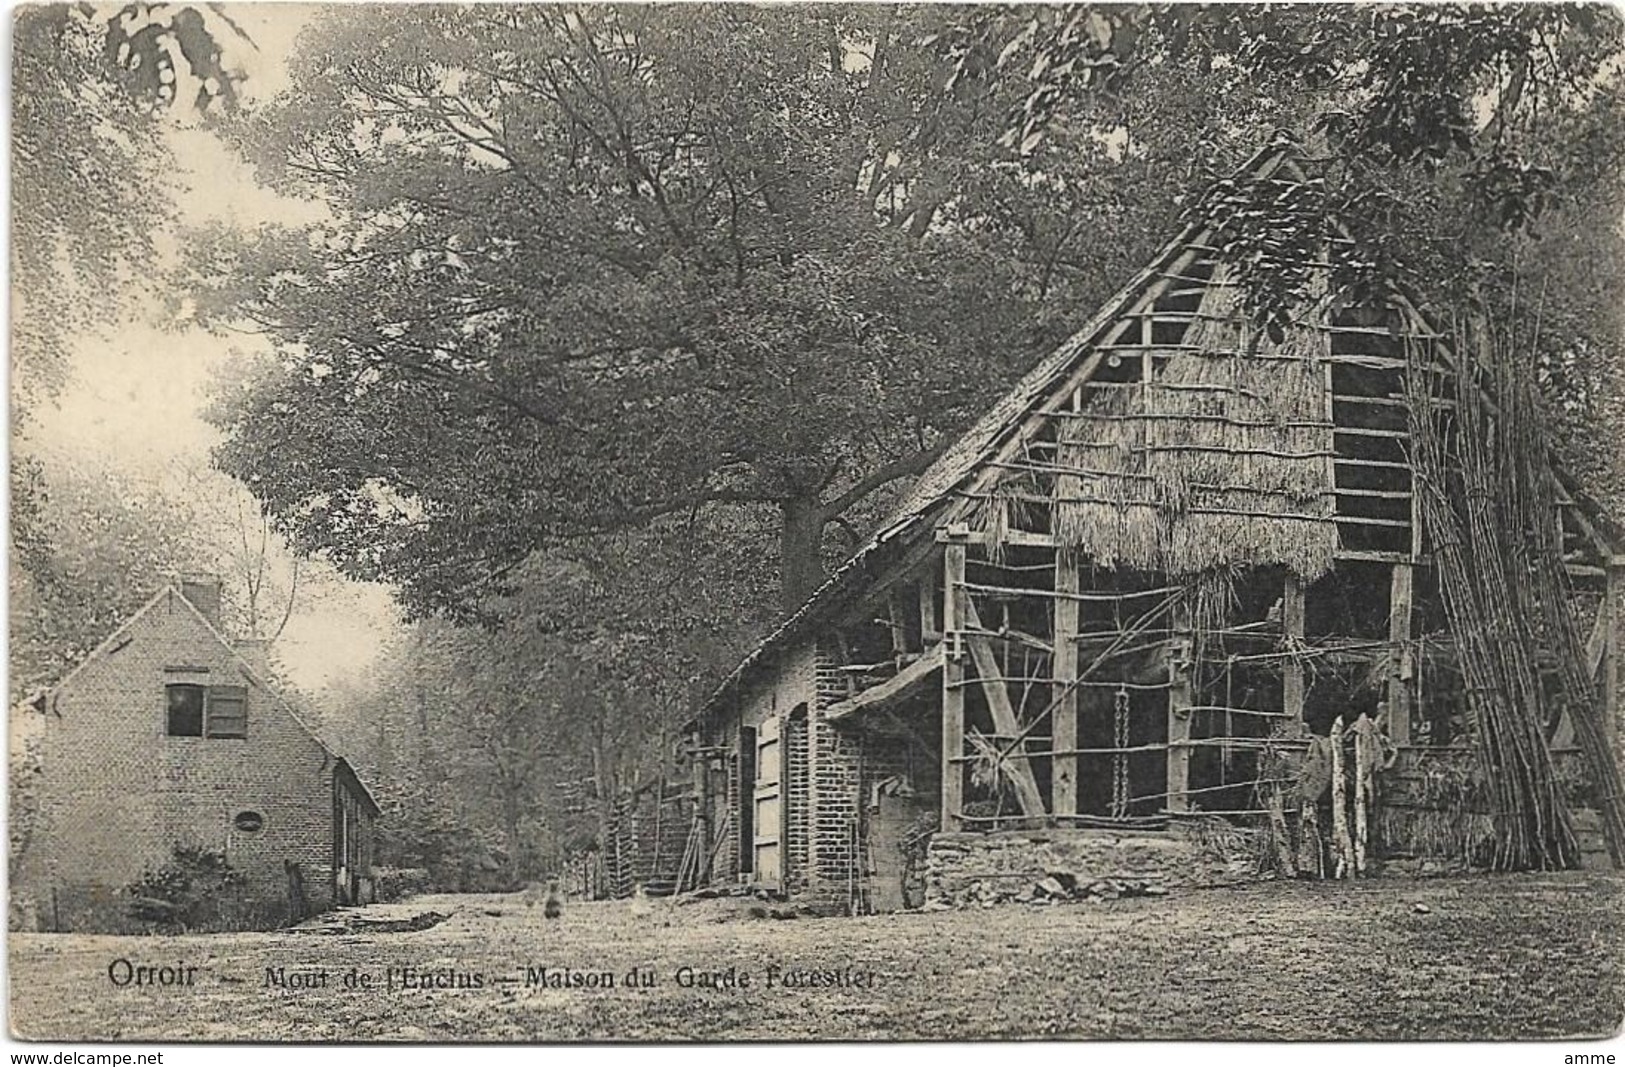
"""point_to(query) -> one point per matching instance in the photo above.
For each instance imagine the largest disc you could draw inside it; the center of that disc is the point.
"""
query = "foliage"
(89, 192)
(619, 312)
(582, 674)
(88, 164)
(101, 546)
(589, 268)
(1432, 122)
(261, 583)
(85, 162)
(100, 541)
(152, 47)
(181, 895)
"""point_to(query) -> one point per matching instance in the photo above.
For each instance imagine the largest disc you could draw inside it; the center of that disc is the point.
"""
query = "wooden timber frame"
(984, 717)
(953, 690)
(1060, 690)
(983, 692)
(980, 692)
(1044, 780)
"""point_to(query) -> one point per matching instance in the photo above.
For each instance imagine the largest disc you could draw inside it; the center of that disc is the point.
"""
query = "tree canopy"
(622, 322)
(588, 268)
(88, 163)
(91, 90)
(595, 270)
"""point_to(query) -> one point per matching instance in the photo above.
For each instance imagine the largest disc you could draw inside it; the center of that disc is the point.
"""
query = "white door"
(768, 800)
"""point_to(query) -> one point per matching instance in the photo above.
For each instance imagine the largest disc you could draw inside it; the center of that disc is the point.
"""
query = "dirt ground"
(1505, 957)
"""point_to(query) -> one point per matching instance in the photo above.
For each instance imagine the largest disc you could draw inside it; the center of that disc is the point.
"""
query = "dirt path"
(1513, 956)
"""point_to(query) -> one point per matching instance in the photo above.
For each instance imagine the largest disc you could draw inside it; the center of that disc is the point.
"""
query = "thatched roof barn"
(1180, 602)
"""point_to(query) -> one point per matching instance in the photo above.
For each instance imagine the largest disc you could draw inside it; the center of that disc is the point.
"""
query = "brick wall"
(845, 764)
(727, 868)
(829, 684)
(835, 784)
(829, 770)
(117, 794)
(797, 808)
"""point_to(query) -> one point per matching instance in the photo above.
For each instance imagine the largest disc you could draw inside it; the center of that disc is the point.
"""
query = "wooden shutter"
(228, 711)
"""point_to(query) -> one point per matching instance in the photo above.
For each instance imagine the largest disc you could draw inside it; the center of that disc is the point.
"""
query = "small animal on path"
(552, 900)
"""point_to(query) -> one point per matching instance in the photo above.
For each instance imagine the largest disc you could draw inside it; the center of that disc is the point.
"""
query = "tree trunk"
(510, 829)
(801, 534)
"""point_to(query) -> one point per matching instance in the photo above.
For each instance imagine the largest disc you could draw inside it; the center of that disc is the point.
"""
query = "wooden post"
(1292, 690)
(953, 690)
(1064, 769)
(660, 817)
(894, 618)
(1342, 844)
(1399, 657)
(700, 817)
(1613, 589)
(928, 610)
(1064, 661)
(1179, 711)
(1363, 725)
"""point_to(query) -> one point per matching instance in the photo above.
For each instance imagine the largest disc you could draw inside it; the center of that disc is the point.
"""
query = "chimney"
(256, 652)
(203, 590)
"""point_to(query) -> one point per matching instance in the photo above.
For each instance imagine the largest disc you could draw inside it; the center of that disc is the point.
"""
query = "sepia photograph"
(816, 522)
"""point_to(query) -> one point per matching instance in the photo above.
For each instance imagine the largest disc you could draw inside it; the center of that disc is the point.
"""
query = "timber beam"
(953, 691)
(1064, 769)
(1612, 610)
(1179, 711)
(893, 688)
(1005, 722)
(1292, 624)
(1400, 665)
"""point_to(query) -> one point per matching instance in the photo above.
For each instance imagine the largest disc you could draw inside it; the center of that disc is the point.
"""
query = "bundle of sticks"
(1488, 501)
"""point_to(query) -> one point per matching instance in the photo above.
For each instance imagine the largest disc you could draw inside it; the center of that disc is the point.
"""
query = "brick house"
(168, 734)
(1173, 565)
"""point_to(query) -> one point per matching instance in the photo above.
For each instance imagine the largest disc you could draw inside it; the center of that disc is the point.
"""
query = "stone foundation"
(1006, 865)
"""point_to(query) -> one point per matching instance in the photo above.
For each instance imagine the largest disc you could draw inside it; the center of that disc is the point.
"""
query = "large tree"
(524, 731)
(619, 314)
(589, 268)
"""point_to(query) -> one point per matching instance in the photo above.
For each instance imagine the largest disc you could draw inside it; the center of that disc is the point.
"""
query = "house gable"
(119, 787)
(200, 633)
(1187, 442)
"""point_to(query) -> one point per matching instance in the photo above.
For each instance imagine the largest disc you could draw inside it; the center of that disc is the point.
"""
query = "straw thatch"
(1221, 460)
(1014, 503)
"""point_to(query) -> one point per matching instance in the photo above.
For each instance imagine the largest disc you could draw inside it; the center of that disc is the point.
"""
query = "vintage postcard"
(544, 523)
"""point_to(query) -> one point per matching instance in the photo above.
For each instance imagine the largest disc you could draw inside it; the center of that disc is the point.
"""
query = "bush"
(398, 883)
(185, 894)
